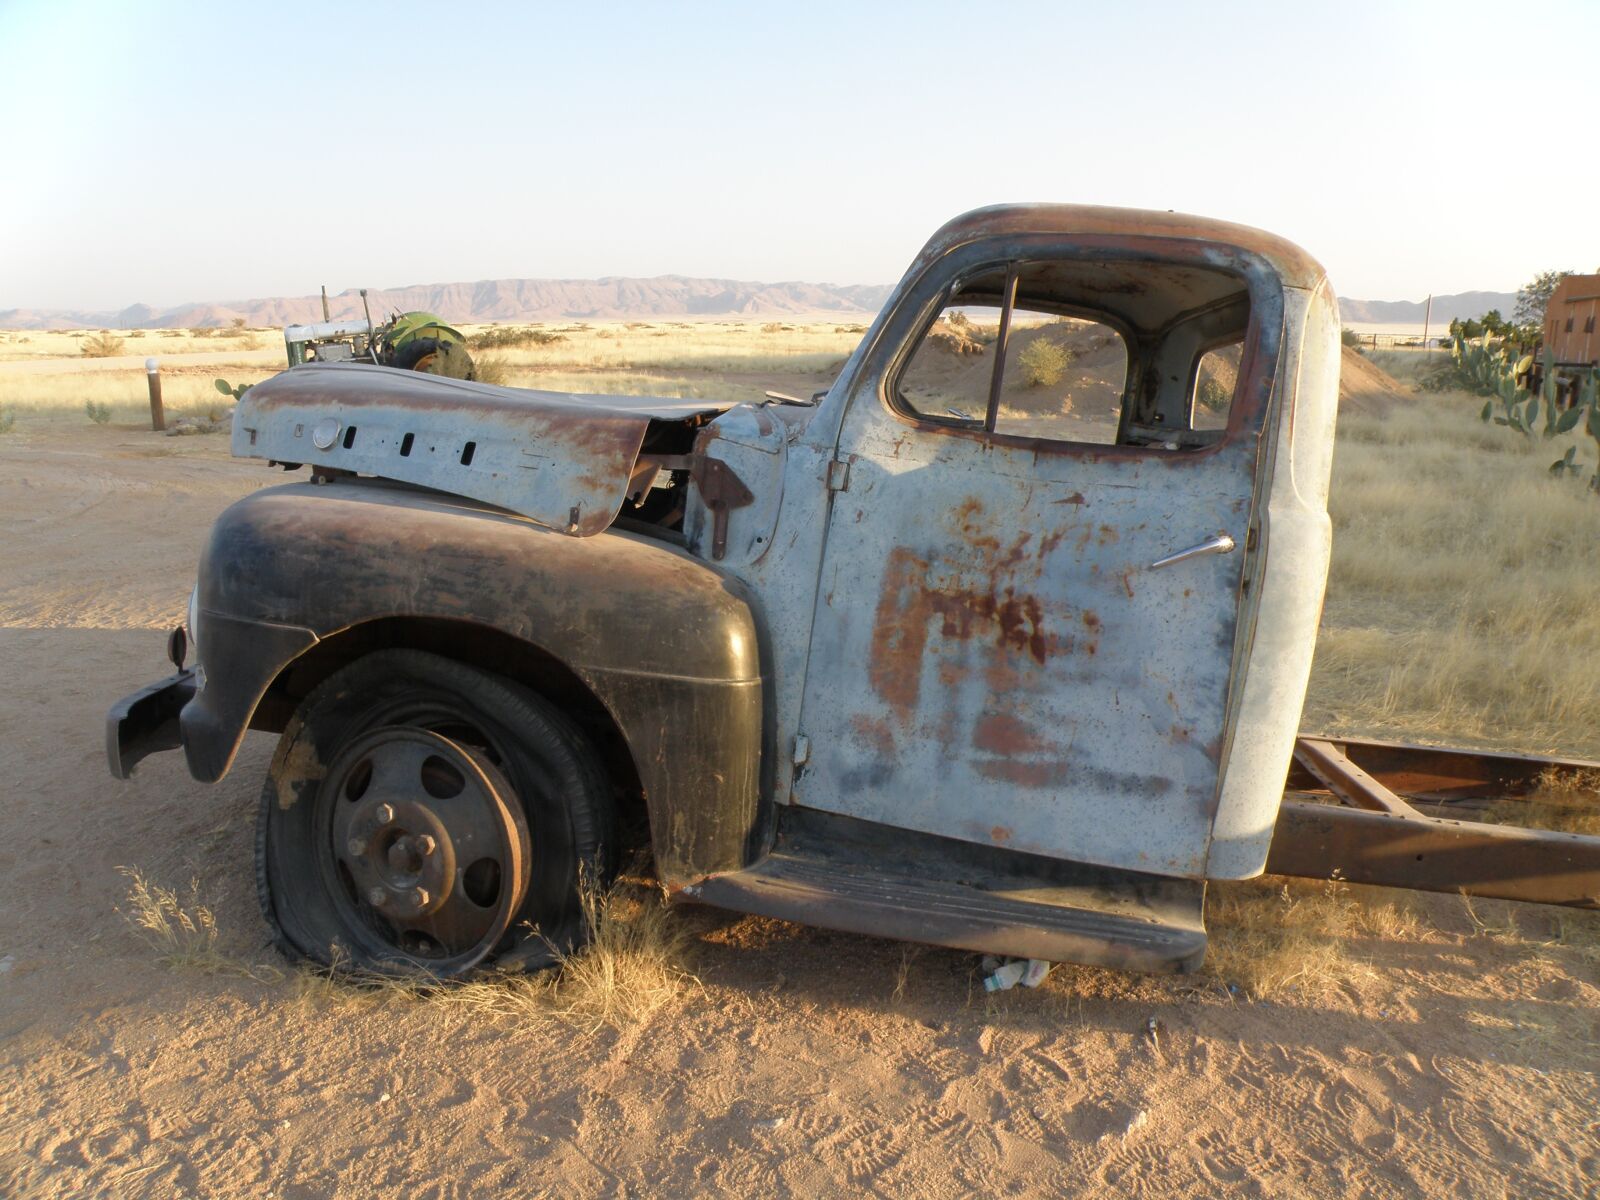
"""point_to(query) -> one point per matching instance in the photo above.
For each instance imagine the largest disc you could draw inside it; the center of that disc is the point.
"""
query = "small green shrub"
(1350, 337)
(104, 344)
(98, 413)
(8, 418)
(1043, 362)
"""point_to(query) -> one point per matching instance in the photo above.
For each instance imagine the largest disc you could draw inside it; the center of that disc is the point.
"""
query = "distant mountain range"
(613, 298)
(1460, 306)
(489, 300)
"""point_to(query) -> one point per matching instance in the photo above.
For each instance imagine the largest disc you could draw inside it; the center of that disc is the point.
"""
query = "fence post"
(152, 374)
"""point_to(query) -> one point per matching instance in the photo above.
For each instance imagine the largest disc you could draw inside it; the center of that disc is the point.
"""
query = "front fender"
(667, 644)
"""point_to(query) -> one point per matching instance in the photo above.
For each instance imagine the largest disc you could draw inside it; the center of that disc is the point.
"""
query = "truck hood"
(561, 460)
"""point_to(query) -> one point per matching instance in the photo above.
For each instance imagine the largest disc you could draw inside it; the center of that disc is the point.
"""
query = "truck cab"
(1001, 643)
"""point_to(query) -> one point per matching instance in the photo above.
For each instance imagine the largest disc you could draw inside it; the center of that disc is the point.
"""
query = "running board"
(1015, 905)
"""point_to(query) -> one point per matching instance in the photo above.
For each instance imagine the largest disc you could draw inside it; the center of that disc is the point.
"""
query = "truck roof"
(1294, 266)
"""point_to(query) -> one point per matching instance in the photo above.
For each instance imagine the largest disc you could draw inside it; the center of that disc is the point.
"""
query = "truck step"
(1009, 904)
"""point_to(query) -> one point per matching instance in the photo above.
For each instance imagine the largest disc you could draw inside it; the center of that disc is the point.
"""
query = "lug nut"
(425, 844)
(355, 845)
(383, 814)
(419, 897)
(378, 896)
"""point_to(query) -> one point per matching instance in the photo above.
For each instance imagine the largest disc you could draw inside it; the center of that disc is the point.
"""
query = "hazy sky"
(166, 152)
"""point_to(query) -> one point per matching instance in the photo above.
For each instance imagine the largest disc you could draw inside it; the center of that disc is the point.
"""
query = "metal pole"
(1427, 319)
(152, 374)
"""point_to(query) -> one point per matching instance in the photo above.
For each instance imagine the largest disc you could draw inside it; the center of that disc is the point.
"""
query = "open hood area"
(562, 460)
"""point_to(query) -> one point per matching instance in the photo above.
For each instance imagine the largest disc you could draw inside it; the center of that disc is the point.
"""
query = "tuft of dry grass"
(491, 369)
(634, 963)
(180, 928)
(1272, 936)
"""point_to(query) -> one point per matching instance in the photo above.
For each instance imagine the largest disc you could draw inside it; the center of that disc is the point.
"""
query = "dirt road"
(1460, 1060)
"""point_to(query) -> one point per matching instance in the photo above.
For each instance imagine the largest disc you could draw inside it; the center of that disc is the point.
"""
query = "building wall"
(1572, 322)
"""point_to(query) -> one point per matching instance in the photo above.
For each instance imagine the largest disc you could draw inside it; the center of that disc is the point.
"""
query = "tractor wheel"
(416, 355)
(424, 817)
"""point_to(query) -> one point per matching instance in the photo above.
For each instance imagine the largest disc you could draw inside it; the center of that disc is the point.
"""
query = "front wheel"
(422, 816)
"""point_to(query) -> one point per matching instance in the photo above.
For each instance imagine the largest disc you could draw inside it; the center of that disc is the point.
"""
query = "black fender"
(667, 644)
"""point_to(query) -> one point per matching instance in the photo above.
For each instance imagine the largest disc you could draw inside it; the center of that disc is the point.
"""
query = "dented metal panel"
(561, 460)
(995, 656)
(667, 644)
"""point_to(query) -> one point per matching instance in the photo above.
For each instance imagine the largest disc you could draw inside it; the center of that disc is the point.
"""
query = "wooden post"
(152, 374)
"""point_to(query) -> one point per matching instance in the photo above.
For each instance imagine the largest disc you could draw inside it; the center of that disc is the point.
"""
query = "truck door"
(1028, 618)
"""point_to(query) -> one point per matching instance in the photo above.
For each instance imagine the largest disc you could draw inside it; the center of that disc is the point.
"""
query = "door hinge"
(802, 749)
(839, 475)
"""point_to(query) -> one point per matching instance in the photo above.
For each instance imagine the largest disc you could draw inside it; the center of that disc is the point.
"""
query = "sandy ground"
(1453, 1062)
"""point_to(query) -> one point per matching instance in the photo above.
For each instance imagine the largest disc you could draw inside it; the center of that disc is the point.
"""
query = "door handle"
(1221, 544)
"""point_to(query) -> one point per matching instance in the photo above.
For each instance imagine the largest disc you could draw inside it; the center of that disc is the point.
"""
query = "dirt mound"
(1365, 387)
(955, 337)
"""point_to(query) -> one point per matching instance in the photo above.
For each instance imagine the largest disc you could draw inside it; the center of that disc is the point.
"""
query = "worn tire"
(438, 355)
(417, 354)
(558, 780)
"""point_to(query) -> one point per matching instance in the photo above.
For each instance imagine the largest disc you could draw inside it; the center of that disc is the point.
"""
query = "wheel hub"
(428, 847)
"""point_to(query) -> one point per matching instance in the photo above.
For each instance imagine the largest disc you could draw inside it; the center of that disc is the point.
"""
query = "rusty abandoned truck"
(1000, 643)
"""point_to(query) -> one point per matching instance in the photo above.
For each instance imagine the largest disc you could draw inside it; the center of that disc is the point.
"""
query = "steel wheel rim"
(422, 848)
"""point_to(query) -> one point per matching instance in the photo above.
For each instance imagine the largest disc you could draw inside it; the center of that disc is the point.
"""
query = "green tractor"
(413, 341)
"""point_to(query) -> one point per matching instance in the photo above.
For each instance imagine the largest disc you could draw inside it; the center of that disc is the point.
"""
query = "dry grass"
(1460, 601)
(490, 368)
(104, 344)
(23, 345)
(58, 396)
(1567, 803)
(1272, 936)
(633, 965)
(717, 361)
(722, 347)
(1407, 364)
(180, 928)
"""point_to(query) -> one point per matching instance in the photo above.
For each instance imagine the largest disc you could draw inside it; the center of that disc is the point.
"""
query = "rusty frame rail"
(1376, 836)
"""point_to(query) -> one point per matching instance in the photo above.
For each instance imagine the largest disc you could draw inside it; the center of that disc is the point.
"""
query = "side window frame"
(904, 329)
(1006, 303)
